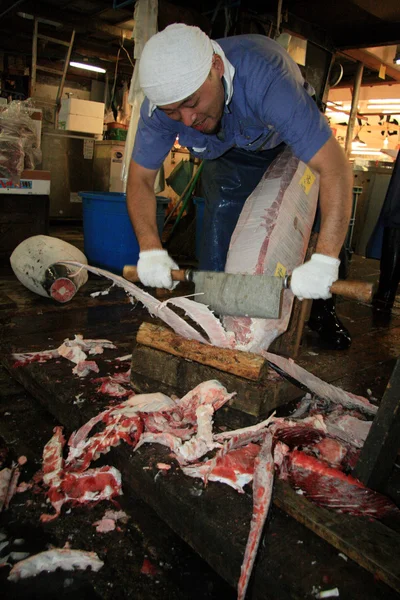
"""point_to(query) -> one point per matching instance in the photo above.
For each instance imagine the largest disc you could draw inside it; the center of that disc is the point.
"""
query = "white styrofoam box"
(80, 123)
(84, 108)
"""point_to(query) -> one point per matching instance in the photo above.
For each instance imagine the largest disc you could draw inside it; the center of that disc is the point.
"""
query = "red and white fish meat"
(75, 350)
(305, 452)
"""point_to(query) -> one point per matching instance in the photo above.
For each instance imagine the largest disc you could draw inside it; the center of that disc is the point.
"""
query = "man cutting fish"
(236, 104)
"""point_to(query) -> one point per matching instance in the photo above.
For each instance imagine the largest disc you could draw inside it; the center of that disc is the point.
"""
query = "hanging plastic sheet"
(227, 182)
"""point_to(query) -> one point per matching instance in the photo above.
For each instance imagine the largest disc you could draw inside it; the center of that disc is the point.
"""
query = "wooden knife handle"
(348, 288)
(130, 273)
(357, 290)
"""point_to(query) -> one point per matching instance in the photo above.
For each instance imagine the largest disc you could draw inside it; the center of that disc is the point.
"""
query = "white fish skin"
(319, 387)
(50, 560)
(154, 306)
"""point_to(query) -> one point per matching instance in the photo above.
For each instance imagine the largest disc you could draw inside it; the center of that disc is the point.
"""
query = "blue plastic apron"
(227, 182)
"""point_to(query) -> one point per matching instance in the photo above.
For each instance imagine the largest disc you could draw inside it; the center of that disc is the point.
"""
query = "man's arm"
(314, 278)
(154, 264)
(141, 203)
(336, 182)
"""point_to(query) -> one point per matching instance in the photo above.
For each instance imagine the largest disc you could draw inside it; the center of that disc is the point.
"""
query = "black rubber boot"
(389, 270)
(324, 320)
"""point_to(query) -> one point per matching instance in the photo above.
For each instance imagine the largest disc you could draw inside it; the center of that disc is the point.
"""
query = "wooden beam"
(372, 62)
(369, 543)
(72, 20)
(354, 106)
(380, 449)
(366, 35)
(117, 32)
(242, 364)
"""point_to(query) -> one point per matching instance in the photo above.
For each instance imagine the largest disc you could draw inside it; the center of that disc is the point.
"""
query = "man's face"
(203, 109)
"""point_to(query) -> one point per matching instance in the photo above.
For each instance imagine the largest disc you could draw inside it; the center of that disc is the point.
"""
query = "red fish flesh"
(331, 488)
(79, 488)
(118, 428)
(235, 468)
(262, 493)
(331, 451)
(53, 462)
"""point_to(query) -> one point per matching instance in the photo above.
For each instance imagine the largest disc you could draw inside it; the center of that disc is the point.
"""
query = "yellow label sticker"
(307, 180)
(280, 270)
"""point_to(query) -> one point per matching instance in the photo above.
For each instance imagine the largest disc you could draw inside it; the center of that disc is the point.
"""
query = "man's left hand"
(313, 279)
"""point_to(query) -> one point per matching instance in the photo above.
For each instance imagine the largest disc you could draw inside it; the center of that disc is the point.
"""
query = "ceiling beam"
(372, 62)
(388, 11)
(72, 20)
(349, 83)
(364, 36)
(22, 45)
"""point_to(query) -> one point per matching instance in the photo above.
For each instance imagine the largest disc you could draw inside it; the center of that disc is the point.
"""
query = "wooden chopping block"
(169, 363)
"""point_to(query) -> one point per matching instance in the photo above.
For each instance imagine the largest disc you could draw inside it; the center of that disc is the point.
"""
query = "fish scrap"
(75, 350)
(306, 452)
(57, 558)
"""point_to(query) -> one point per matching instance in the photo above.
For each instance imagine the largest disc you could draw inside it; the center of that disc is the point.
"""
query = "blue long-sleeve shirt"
(269, 105)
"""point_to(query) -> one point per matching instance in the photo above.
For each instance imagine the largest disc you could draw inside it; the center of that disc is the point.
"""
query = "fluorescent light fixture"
(87, 67)
(369, 152)
(384, 101)
(384, 106)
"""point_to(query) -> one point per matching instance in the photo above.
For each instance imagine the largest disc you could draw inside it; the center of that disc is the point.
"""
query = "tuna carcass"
(271, 238)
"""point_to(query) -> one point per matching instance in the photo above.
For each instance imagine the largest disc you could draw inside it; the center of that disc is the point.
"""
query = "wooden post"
(379, 452)
(354, 105)
(288, 343)
(62, 82)
(34, 59)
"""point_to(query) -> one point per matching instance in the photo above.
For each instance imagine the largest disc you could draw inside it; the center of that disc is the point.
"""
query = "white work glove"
(315, 277)
(154, 269)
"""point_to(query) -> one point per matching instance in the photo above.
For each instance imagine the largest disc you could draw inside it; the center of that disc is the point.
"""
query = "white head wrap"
(174, 63)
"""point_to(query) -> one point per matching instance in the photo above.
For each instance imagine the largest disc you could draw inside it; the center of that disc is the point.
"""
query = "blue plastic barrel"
(109, 239)
(199, 202)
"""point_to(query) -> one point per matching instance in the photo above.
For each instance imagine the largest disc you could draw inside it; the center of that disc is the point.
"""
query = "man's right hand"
(154, 269)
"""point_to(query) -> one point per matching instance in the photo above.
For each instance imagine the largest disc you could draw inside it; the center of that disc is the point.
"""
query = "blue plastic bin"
(199, 202)
(109, 239)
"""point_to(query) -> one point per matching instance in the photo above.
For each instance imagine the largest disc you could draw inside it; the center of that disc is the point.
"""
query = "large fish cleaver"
(256, 296)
